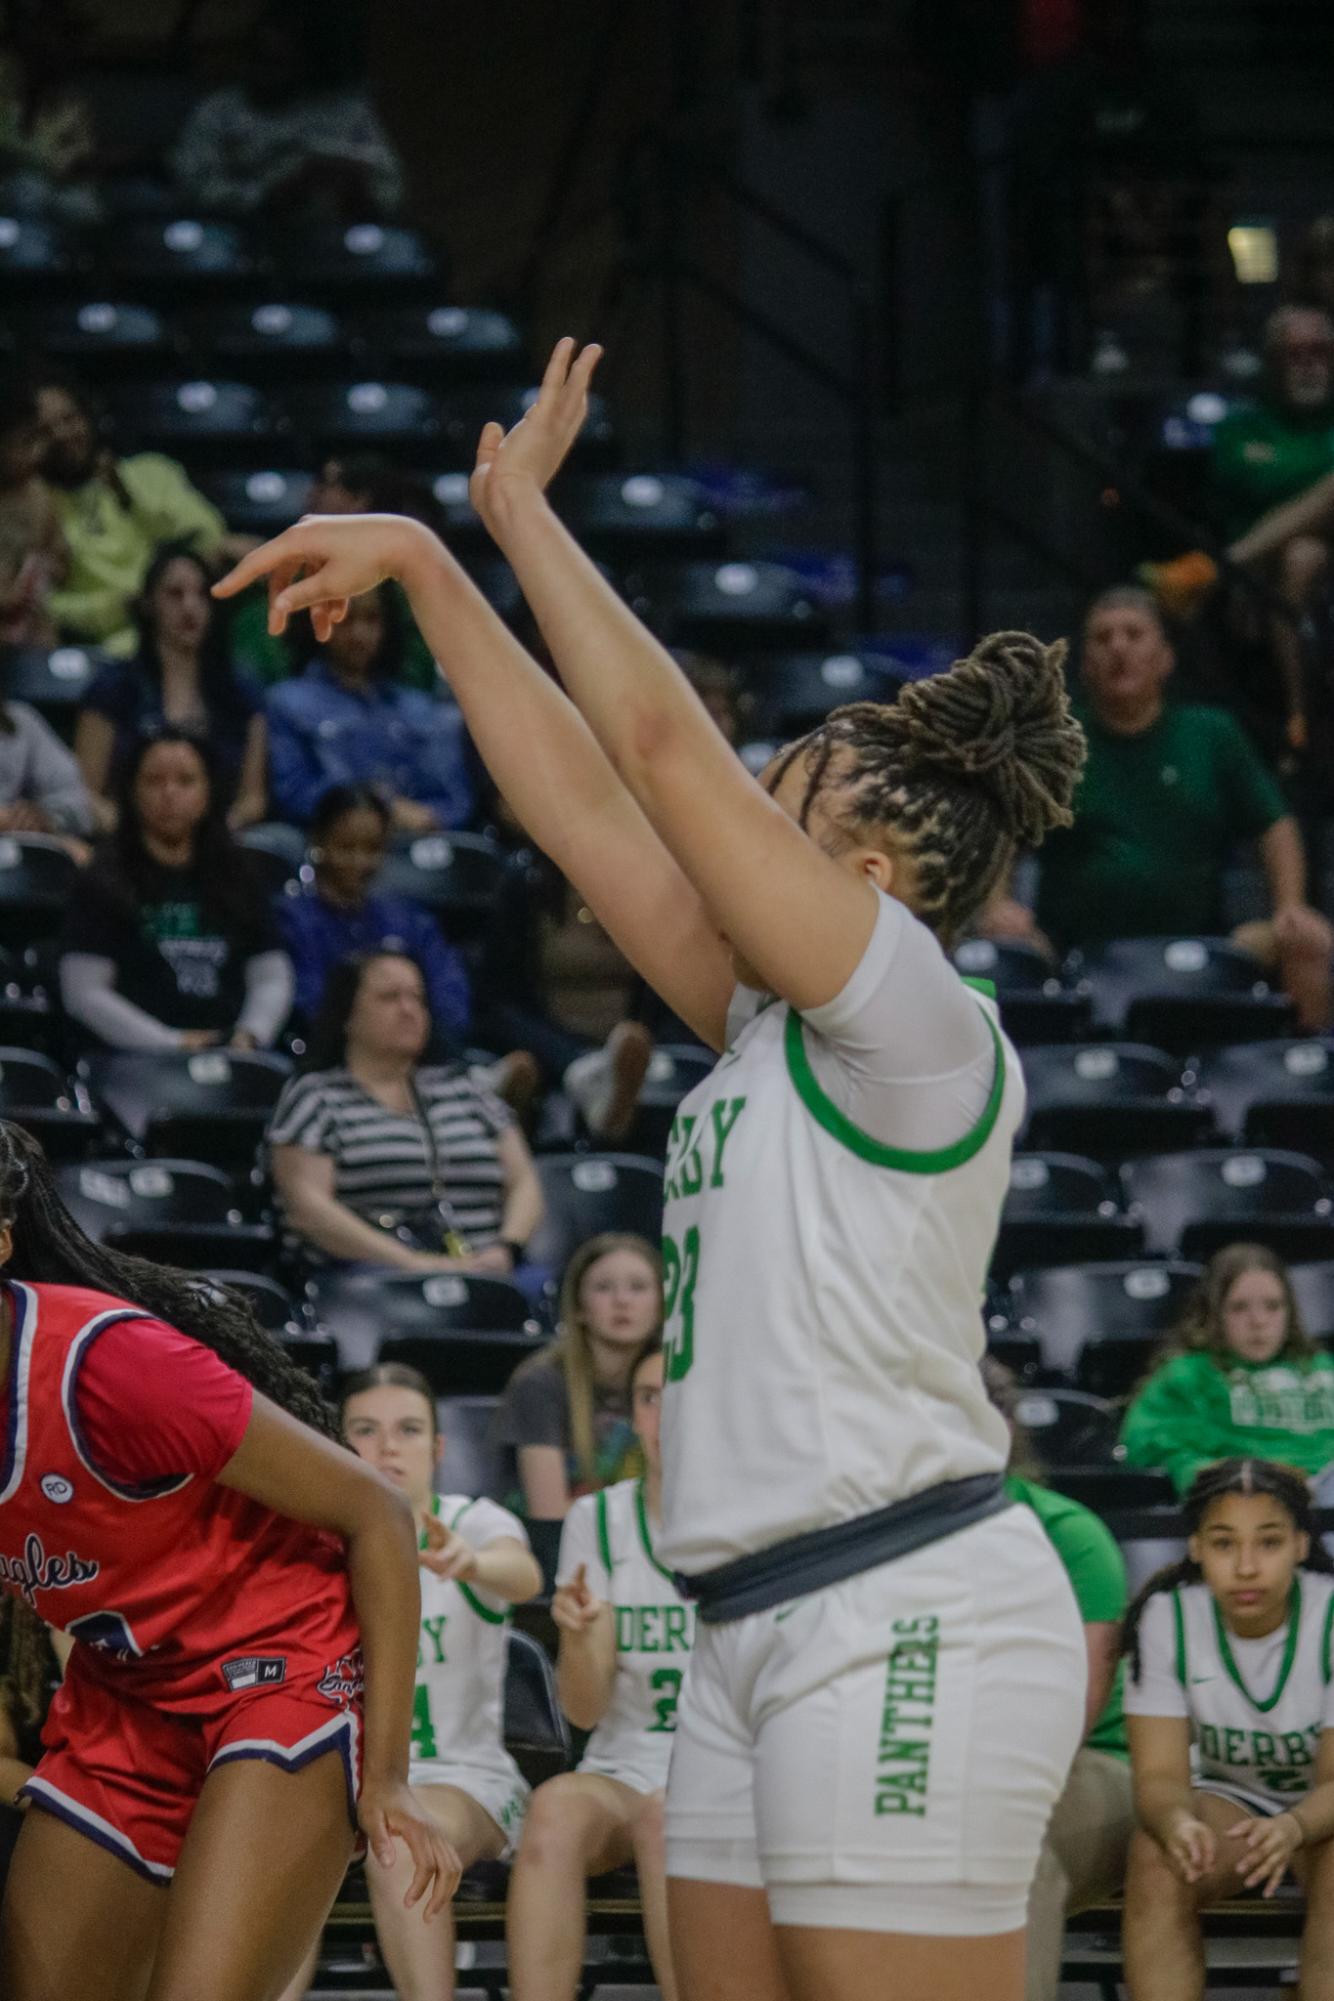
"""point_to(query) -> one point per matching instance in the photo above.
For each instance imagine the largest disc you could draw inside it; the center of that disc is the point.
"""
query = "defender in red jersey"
(168, 1500)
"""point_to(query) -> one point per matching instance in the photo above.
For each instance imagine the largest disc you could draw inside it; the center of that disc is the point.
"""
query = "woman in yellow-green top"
(1242, 1378)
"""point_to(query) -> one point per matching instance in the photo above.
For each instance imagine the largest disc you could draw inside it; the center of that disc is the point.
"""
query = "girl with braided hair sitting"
(1230, 1707)
(888, 1685)
(172, 1499)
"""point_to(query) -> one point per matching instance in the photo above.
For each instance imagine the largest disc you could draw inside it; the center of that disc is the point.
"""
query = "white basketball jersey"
(823, 1296)
(458, 1711)
(1256, 1707)
(609, 1533)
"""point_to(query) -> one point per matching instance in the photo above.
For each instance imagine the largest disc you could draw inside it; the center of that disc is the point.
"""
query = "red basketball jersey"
(167, 1580)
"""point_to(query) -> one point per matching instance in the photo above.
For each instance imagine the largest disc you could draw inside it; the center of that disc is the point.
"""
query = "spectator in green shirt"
(1083, 1858)
(1168, 790)
(1243, 1378)
(1273, 488)
(115, 512)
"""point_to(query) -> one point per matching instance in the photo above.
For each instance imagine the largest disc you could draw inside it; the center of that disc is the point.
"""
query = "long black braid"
(962, 769)
(49, 1248)
(1230, 1476)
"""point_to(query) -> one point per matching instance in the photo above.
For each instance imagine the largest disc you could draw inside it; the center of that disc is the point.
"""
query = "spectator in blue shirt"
(347, 721)
(338, 914)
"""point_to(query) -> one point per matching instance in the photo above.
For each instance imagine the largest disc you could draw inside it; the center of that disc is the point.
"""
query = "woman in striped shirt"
(382, 1159)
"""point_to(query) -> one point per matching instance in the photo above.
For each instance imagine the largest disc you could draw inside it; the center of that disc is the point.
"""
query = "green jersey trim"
(1179, 1619)
(604, 1533)
(641, 1516)
(987, 987)
(1289, 1651)
(836, 1123)
(1325, 1639)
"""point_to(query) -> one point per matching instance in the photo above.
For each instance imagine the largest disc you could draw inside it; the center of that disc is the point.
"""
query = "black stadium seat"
(1035, 1007)
(466, 409)
(1062, 1208)
(210, 1105)
(173, 256)
(792, 692)
(179, 1212)
(203, 417)
(1108, 1099)
(626, 515)
(1194, 1203)
(37, 877)
(443, 345)
(729, 607)
(279, 851)
(465, 1332)
(535, 1732)
(1068, 1427)
(36, 1094)
(258, 501)
(1100, 1323)
(587, 1193)
(673, 1070)
(53, 680)
(276, 337)
(361, 261)
(1182, 994)
(270, 1302)
(458, 876)
(364, 415)
(109, 336)
(1110, 1490)
(36, 258)
(1269, 1078)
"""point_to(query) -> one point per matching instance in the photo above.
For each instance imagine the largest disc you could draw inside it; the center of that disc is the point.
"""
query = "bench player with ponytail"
(1230, 1708)
(886, 1690)
(171, 1497)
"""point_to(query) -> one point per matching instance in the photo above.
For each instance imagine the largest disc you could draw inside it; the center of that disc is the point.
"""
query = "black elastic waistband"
(809, 1562)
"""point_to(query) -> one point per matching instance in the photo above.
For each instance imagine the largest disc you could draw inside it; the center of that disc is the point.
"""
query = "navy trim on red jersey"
(84, 1821)
(78, 1352)
(339, 1734)
(20, 1364)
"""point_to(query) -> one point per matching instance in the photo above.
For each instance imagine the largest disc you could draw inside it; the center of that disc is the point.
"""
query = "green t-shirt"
(1097, 1573)
(1199, 1408)
(1156, 816)
(1263, 456)
(269, 660)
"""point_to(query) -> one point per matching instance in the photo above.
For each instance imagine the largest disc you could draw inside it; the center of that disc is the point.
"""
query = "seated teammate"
(1230, 1665)
(625, 1639)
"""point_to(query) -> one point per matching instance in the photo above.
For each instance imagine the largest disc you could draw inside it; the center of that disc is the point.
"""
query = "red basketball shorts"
(125, 1767)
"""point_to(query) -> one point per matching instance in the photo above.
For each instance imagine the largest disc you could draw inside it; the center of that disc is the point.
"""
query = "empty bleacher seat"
(180, 1212)
(37, 876)
(212, 1104)
(642, 513)
(471, 1462)
(587, 1193)
(330, 416)
(268, 1299)
(457, 875)
(1313, 1288)
(1062, 1208)
(53, 680)
(1100, 1323)
(673, 1070)
(444, 344)
(1271, 1077)
(169, 256)
(275, 336)
(1182, 994)
(35, 257)
(1108, 1099)
(1194, 1203)
(203, 417)
(1068, 1427)
(258, 500)
(792, 692)
(1035, 1007)
(102, 334)
(466, 1332)
(1112, 1489)
(359, 259)
(36, 1094)
(731, 606)
(279, 851)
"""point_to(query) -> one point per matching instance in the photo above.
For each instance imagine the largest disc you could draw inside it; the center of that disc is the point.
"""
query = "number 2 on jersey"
(664, 1710)
(680, 1273)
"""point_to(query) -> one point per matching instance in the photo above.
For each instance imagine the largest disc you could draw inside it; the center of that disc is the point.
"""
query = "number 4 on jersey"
(680, 1273)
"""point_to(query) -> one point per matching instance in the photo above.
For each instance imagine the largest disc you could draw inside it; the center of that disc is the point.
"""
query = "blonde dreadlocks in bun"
(958, 773)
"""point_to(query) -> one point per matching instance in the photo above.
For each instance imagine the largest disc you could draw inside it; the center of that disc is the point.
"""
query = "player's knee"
(649, 1834)
(553, 1824)
(1148, 1871)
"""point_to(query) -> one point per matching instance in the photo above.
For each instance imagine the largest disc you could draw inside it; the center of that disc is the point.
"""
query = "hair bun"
(1002, 717)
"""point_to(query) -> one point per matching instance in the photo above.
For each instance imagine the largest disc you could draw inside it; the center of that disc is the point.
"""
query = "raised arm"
(538, 749)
